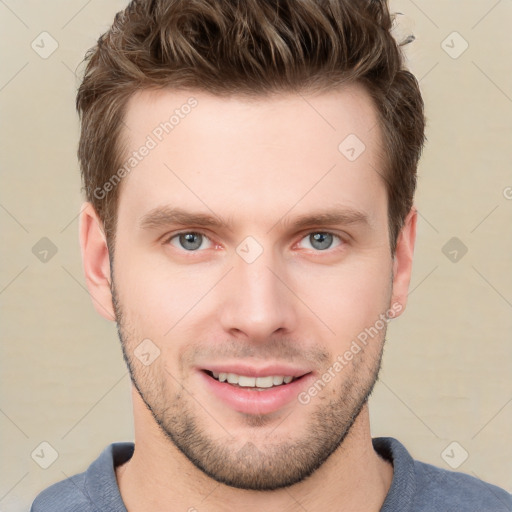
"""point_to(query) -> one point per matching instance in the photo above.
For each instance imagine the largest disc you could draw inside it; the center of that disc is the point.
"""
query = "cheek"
(347, 298)
(152, 297)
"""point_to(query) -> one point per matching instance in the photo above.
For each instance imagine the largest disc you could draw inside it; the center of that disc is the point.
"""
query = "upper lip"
(253, 371)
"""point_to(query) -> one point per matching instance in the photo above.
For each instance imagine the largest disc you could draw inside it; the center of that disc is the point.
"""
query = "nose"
(257, 301)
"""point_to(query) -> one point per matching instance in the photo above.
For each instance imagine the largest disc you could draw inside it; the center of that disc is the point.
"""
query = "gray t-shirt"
(416, 486)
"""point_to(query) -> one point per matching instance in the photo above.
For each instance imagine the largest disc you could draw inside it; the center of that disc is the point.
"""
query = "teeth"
(251, 382)
(277, 381)
(232, 378)
(246, 382)
(265, 382)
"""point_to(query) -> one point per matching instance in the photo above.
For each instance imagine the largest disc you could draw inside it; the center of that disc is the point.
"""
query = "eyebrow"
(337, 216)
(166, 215)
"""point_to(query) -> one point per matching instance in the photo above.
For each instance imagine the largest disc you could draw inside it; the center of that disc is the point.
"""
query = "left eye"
(190, 241)
(321, 240)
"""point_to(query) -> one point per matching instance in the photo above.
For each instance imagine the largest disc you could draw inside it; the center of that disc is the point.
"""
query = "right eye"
(190, 241)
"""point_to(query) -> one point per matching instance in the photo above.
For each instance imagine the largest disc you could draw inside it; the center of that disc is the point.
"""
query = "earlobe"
(96, 261)
(402, 263)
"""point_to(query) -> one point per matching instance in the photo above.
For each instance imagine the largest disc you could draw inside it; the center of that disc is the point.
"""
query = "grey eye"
(321, 241)
(189, 241)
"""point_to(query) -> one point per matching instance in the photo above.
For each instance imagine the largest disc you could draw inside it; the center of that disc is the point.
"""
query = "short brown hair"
(254, 48)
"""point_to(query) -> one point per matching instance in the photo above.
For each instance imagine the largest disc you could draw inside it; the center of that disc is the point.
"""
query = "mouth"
(249, 391)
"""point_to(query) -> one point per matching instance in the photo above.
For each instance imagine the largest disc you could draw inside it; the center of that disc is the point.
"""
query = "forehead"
(330, 114)
(249, 156)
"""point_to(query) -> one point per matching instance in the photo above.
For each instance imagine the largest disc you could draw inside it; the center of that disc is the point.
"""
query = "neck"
(353, 478)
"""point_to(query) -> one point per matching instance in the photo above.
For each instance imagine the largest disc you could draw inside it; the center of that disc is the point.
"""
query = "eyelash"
(329, 250)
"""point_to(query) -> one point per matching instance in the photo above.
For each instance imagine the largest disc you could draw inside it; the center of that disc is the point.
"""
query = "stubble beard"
(254, 466)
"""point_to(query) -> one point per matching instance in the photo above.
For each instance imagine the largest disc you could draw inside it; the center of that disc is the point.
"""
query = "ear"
(96, 261)
(402, 262)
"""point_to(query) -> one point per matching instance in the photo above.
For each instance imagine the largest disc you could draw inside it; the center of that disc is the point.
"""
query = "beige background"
(448, 362)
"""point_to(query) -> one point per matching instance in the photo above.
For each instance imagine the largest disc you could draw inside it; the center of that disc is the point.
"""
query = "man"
(250, 169)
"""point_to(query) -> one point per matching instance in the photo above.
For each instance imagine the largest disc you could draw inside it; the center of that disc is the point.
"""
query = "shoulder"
(69, 495)
(458, 491)
(92, 491)
(423, 487)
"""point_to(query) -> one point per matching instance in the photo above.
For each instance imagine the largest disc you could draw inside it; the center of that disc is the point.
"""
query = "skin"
(255, 163)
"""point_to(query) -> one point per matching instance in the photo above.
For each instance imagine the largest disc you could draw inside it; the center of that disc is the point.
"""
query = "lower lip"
(251, 401)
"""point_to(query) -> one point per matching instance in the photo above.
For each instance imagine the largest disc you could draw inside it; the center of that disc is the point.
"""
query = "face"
(252, 250)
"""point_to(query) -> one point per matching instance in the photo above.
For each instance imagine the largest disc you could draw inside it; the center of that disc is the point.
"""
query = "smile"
(246, 381)
(249, 393)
